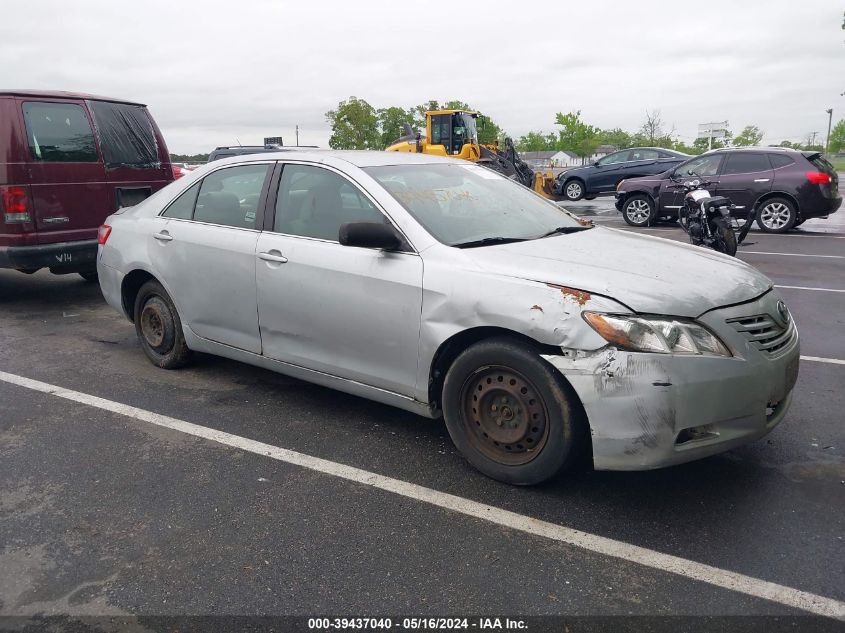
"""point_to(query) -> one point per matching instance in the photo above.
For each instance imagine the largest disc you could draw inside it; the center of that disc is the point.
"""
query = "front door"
(346, 311)
(607, 172)
(703, 168)
(204, 245)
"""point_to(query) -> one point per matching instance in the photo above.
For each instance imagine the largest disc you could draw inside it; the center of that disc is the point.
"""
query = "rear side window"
(183, 207)
(59, 132)
(822, 164)
(643, 154)
(744, 163)
(230, 196)
(780, 160)
(126, 135)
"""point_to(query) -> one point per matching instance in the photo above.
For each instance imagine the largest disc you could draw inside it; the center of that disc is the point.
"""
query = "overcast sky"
(215, 72)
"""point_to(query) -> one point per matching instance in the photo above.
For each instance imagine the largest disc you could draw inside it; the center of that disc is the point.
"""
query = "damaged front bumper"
(654, 410)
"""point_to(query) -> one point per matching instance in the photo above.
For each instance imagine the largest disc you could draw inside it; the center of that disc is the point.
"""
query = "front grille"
(764, 333)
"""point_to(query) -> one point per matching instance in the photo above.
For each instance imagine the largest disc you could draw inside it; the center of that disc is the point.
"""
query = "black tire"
(590, 196)
(159, 328)
(776, 215)
(799, 222)
(573, 189)
(526, 404)
(725, 238)
(90, 276)
(638, 210)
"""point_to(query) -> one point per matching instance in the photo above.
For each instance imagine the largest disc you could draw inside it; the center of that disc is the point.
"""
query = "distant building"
(550, 159)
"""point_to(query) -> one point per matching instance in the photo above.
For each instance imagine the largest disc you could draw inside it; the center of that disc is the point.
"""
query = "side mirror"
(369, 235)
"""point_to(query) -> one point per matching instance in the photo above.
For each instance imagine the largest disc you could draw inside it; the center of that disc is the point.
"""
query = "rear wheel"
(725, 239)
(573, 190)
(777, 215)
(509, 413)
(638, 210)
(159, 328)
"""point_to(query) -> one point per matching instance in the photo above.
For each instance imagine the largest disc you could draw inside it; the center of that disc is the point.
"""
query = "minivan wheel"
(777, 215)
(639, 211)
(159, 328)
(573, 190)
(509, 413)
(89, 275)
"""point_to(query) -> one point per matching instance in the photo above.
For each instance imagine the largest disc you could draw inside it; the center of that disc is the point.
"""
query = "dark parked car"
(786, 186)
(603, 175)
(67, 161)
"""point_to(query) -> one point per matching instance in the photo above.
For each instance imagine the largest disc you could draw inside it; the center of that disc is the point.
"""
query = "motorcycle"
(707, 219)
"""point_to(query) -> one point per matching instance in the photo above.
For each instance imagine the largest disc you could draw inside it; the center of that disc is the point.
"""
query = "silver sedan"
(440, 287)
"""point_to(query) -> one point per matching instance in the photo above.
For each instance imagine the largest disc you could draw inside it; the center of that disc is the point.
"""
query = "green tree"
(837, 137)
(390, 122)
(617, 137)
(575, 135)
(537, 142)
(750, 135)
(680, 146)
(354, 125)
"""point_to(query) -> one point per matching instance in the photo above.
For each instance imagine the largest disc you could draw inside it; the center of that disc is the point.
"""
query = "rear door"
(745, 177)
(203, 246)
(136, 164)
(69, 189)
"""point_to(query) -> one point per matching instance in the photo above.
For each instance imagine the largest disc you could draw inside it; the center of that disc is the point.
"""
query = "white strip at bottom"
(722, 578)
(819, 359)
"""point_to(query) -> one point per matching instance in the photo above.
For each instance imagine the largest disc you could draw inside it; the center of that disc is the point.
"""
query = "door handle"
(762, 179)
(164, 236)
(273, 256)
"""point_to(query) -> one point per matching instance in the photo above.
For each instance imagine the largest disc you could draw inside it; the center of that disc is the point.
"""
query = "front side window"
(702, 166)
(59, 132)
(230, 196)
(612, 159)
(459, 204)
(315, 202)
(126, 134)
(746, 163)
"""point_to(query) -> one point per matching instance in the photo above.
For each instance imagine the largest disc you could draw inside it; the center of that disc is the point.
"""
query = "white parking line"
(810, 288)
(725, 579)
(790, 254)
(819, 359)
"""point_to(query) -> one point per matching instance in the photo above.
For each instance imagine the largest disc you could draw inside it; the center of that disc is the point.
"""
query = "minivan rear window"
(126, 135)
(59, 132)
(822, 164)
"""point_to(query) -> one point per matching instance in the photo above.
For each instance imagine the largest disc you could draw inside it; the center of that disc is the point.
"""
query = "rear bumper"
(63, 257)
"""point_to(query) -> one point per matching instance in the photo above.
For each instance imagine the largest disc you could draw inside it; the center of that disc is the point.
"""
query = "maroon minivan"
(68, 160)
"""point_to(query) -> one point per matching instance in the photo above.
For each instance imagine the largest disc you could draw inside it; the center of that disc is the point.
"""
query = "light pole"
(829, 121)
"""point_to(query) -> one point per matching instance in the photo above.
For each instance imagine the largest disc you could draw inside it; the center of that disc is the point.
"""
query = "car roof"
(758, 148)
(62, 94)
(359, 158)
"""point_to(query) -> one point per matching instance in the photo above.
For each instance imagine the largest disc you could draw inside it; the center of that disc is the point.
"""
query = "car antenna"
(239, 141)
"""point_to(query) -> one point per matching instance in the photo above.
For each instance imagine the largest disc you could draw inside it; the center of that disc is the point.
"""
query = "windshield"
(467, 203)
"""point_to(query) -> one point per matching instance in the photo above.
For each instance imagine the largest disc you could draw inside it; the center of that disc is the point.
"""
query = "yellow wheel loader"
(454, 133)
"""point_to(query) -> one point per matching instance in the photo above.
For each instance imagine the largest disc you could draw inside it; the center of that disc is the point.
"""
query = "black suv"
(786, 186)
(603, 175)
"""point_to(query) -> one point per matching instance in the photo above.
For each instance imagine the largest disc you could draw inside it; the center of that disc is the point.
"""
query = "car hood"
(647, 274)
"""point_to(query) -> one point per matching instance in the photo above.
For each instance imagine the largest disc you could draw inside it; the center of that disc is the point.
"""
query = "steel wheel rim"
(775, 215)
(638, 211)
(573, 190)
(153, 326)
(504, 415)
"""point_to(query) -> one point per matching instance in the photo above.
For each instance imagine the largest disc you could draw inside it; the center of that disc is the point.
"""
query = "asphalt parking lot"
(142, 491)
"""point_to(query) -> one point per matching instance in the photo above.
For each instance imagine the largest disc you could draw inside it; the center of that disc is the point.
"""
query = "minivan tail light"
(14, 200)
(103, 234)
(818, 177)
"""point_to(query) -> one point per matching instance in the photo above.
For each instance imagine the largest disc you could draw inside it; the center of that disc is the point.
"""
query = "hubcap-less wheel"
(505, 416)
(574, 191)
(154, 325)
(775, 215)
(638, 211)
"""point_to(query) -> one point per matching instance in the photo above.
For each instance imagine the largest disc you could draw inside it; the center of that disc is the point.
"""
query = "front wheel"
(573, 190)
(159, 328)
(777, 215)
(638, 211)
(509, 413)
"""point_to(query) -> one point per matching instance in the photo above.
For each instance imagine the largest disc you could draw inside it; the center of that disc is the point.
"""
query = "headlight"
(656, 334)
